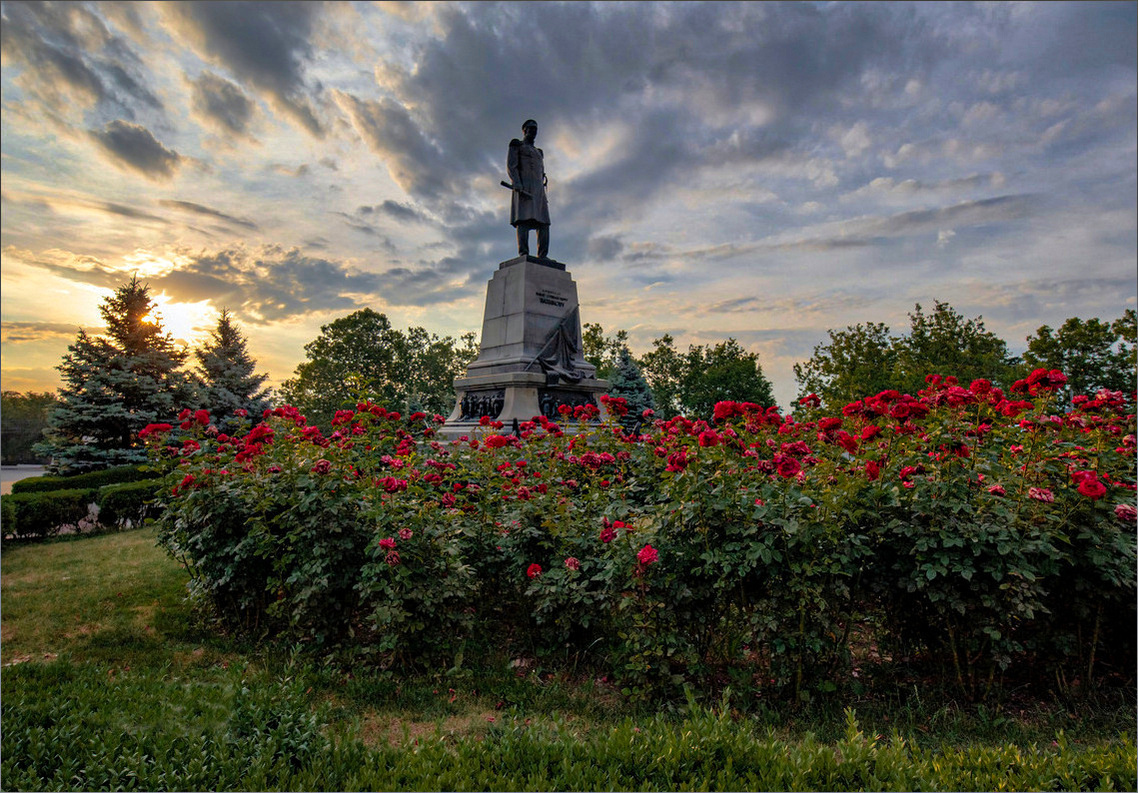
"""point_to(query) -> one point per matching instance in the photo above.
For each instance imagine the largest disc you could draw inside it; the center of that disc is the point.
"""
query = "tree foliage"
(859, 360)
(945, 342)
(1092, 353)
(692, 382)
(25, 418)
(628, 383)
(602, 350)
(226, 372)
(363, 356)
(867, 359)
(114, 386)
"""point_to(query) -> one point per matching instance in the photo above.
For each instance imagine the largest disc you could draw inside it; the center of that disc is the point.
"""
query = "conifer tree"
(628, 382)
(228, 382)
(114, 386)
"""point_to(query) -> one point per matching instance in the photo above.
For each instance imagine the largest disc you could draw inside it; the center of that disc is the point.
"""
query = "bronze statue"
(529, 208)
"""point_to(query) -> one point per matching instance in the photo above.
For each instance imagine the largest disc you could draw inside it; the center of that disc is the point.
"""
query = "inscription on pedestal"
(551, 298)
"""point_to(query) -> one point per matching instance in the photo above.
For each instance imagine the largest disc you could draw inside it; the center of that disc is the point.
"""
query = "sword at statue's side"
(504, 183)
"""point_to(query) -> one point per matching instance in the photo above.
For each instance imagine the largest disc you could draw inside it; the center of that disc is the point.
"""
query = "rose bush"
(960, 525)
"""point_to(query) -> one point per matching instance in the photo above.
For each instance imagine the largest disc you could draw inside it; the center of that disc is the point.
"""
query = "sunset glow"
(767, 171)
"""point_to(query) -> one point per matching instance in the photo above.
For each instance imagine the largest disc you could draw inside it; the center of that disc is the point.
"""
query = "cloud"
(270, 283)
(415, 163)
(21, 332)
(199, 209)
(133, 147)
(887, 188)
(70, 59)
(58, 201)
(357, 224)
(264, 44)
(284, 170)
(221, 105)
(396, 210)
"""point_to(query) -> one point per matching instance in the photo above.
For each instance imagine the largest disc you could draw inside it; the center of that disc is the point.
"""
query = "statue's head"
(529, 128)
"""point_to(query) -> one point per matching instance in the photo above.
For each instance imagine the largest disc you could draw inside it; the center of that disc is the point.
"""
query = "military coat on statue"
(526, 166)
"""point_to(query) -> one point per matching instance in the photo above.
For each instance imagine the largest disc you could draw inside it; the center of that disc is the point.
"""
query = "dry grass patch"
(384, 729)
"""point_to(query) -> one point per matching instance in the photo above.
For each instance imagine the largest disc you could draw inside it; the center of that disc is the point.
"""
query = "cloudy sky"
(762, 171)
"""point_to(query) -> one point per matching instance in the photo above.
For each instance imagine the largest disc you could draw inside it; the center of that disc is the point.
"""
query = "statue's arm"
(512, 163)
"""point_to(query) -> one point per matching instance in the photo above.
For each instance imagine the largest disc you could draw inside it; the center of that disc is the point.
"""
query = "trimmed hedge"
(92, 479)
(130, 501)
(28, 515)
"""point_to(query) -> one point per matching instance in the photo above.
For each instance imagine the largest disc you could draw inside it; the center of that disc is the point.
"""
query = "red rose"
(708, 438)
(387, 543)
(533, 571)
(647, 555)
(201, 417)
(187, 482)
(607, 534)
(725, 410)
(788, 466)
(572, 563)
(1092, 488)
(322, 467)
(151, 429)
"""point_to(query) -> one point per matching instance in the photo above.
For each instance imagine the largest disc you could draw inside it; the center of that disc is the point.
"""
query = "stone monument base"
(520, 396)
(530, 360)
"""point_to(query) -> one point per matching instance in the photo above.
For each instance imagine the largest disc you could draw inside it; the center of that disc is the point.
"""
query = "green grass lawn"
(109, 681)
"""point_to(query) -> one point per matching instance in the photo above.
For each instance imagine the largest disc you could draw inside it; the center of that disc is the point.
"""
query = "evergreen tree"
(228, 382)
(628, 382)
(115, 386)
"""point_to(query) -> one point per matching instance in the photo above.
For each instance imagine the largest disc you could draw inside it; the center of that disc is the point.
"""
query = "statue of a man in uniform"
(529, 208)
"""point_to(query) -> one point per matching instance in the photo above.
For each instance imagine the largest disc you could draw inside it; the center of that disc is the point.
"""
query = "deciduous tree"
(859, 360)
(867, 359)
(1092, 353)
(363, 356)
(692, 382)
(25, 418)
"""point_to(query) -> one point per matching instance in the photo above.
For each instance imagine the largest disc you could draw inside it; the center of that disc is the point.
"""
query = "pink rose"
(1041, 494)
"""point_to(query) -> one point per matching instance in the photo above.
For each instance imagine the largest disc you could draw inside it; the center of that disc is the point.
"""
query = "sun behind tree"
(113, 386)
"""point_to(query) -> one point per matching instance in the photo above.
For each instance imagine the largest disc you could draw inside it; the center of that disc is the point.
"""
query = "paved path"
(14, 473)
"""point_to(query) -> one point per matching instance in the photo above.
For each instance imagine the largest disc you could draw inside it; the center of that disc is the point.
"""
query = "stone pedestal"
(530, 360)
